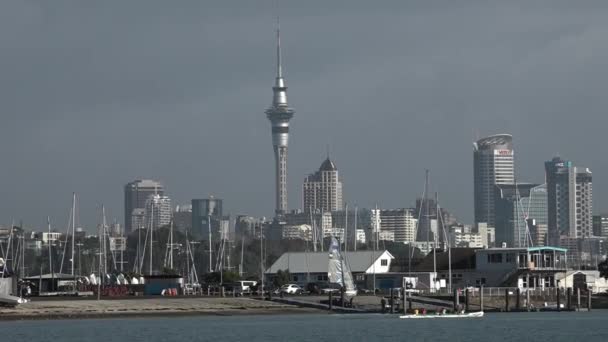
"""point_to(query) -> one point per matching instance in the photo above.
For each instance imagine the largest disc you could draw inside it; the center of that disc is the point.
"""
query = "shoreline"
(150, 307)
(147, 314)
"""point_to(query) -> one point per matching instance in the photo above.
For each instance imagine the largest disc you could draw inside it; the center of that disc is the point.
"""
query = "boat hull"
(466, 315)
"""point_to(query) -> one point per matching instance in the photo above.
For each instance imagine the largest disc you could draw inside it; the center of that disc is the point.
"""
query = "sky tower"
(279, 114)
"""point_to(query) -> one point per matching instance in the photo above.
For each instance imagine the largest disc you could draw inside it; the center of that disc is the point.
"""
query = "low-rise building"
(307, 267)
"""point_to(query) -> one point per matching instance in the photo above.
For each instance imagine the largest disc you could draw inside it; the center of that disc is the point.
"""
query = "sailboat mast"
(171, 245)
(426, 211)
(346, 228)
(73, 228)
(355, 228)
(151, 231)
(435, 243)
(210, 250)
(48, 240)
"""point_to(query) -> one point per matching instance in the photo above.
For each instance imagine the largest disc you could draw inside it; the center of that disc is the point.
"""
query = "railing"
(548, 292)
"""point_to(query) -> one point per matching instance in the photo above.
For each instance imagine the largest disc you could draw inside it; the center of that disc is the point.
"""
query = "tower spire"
(279, 62)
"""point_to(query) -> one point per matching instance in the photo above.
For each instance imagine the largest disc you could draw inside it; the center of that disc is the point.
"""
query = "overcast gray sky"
(94, 94)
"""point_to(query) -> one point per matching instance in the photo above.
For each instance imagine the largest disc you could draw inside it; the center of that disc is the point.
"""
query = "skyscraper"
(136, 195)
(570, 205)
(203, 210)
(521, 214)
(279, 114)
(158, 211)
(492, 165)
(322, 190)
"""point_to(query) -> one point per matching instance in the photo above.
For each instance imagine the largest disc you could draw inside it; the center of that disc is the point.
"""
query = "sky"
(94, 94)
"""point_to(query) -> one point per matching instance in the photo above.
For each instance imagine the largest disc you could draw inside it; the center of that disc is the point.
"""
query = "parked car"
(291, 289)
(322, 288)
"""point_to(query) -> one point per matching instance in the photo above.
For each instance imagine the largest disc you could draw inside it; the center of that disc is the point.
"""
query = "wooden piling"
(404, 301)
(569, 299)
(507, 300)
(558, 299)
(466, 300)
(481, 298)
(588, 300)
(391, 301)
(578, 298)
(455, 299)
(518, 299)
(331, 301)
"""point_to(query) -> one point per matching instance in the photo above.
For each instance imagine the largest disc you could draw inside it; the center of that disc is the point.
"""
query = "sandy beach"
(161, 306)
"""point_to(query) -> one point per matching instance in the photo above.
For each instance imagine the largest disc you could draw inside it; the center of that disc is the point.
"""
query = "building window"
(319, 278)
(383, 262)
(510, 257)
(295, 278)
(495, 258)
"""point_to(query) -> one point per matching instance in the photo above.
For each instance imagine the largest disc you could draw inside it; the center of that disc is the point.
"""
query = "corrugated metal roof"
(317, 262)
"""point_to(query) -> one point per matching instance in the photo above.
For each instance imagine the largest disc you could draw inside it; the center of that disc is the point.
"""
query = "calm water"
(494, 327)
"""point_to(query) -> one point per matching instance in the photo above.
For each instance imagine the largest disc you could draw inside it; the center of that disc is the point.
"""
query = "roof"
(529, 249)
(494, 140)
(53, 276)
(317, 262)
(328, 165)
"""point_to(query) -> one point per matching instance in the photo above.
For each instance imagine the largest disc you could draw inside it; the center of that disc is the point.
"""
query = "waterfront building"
(519, 209)
(570, 200)
(492, 165)
(322, 190)
(307, 267)
(136, 195)
(158, 211)
(279, 113)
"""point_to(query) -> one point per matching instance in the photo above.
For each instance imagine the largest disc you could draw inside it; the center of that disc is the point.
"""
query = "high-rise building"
(400, 222)
(279, 114)
(570, 200)
(182, 217)
(600, 225)
(136, 195)
(158, 211)
(204, 210)
(322, 190)
(521, 210)
(492, 165)
(437, 225)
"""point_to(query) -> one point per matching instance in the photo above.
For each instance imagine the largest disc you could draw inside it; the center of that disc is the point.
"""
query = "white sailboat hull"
(465, 315)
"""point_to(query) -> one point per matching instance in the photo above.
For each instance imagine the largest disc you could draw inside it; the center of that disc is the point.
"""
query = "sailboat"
(338, 271)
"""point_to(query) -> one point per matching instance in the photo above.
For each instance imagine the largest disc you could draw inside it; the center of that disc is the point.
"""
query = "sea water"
(583, 326)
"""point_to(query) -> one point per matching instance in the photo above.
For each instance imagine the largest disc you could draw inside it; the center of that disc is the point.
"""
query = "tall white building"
(158, 211)
(400, 222)
(493, 165)
(322, 190)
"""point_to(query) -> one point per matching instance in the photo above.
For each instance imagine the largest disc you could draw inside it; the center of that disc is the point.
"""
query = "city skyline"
(155, 102)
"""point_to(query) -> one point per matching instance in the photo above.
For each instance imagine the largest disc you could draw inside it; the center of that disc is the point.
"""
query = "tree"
(603, 268)
(282, 278)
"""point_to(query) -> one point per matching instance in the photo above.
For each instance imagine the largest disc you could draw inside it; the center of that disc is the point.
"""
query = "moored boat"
(477, 314)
